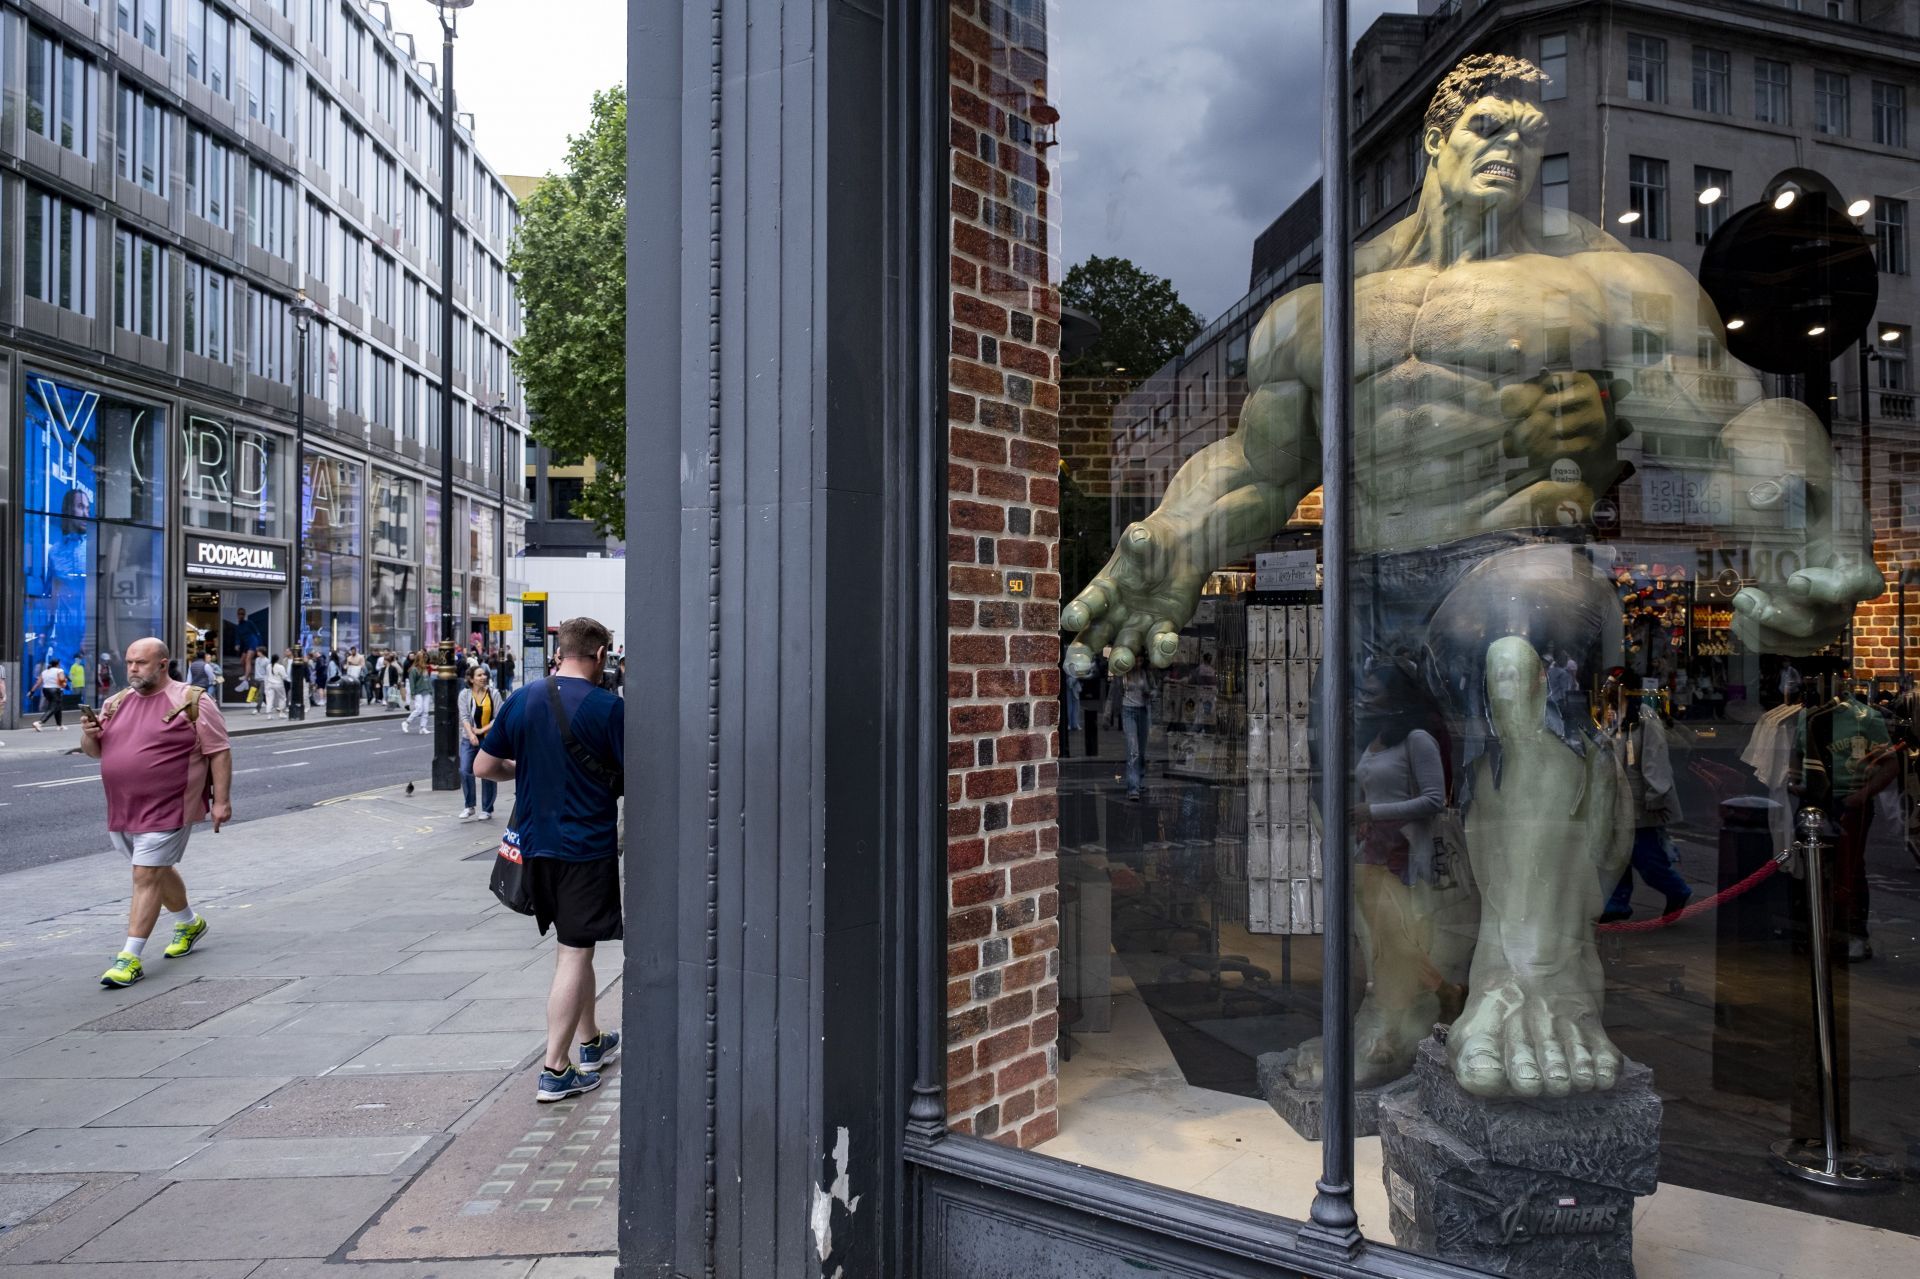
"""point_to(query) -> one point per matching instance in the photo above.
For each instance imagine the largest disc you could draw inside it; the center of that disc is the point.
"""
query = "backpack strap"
(112, 704)
(589, 763)
(190, 708)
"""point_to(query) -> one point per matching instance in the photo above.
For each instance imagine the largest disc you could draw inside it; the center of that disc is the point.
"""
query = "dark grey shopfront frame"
(786, 498)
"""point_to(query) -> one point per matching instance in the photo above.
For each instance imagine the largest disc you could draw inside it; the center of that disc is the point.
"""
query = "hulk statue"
(1493, 341)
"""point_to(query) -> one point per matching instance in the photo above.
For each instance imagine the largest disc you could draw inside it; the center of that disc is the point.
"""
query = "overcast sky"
(1186, 126)
(527, 69)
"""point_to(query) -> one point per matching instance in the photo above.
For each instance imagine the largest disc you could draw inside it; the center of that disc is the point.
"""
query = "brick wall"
(1003, 647)
(1087, 430)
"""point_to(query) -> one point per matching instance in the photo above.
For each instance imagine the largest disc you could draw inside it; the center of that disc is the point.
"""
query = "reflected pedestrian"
(53, 696)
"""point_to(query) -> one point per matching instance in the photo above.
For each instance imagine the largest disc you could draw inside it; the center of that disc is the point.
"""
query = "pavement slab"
(503, 1268)
(398, 1054)
(30, 1196)
(116, 1054)
(128, 1270)
(100, 1149)
(594, 1267)
(525, 1178)
(434, 986)
(253, 1157)
(471, 962)
(497, 1015)
(56, 1103)
(533, 981)
(189, 1004)
(76, 1218)
(275, 1054)
(229, 1220)
(193, 1102)
(341, 1105)
(369, 1017)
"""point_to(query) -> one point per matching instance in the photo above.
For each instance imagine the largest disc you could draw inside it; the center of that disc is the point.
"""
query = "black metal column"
(296, 667)
(446, 763)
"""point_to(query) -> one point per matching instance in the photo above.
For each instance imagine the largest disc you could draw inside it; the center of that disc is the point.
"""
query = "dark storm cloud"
(1186, 127)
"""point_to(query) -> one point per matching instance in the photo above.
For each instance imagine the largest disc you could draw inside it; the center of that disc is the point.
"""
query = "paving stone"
(524, 984)
(334, 990)
(224, 1220)
(600, 1267)
(186, 1006)
(56, 1232)
(272, 1055)
(10, 1044)
(248, 1020)
(117, 1054)
(57, 1103)
(420, 923)
(132, 1270)
(482, 937)
(99, 1149)
(496, 1015)
(504, 1268)
(250, 1157)
(473, 963)
(192, 1102)
(397, 1054)
(341, 1105)
(20, 1200)
(374, 1017)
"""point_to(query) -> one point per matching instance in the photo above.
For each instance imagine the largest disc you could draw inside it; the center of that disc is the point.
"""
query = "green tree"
(571, 259)
(1143, 322)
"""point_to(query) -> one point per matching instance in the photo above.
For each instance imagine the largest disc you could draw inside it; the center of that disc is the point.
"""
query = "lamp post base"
(446, 712)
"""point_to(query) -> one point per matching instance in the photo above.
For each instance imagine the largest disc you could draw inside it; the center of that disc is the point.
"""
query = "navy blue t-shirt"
(563, 811)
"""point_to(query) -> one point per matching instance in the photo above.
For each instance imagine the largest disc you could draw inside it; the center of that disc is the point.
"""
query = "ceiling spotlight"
(1735, 325)
(1860, 208)
(1890, 336)
(1816, 330)
(1630, 217)
(1784, 201)
(1711, 195)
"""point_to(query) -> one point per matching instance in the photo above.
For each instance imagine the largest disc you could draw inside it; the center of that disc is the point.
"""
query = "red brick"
(1014, 1109)
(979, 314)
(963, 342)
(969, 1093)
(1023, 552)
(977, 242)
(1034, 808)
(965, 854)
(1035, 941)
(970, 925)
(1002, 1013)
(974, 581)
(967, 1024)
(959, 478)
(959, 684)
(976, 516)
(963, 959)
(1023, 973)
(1001, 683)
(970, 106)
(977, 650)
(960, 551)
(976, 718)
(1025, 359)
(1047, 1095)
(960, 1062)
(1011, 846)
(975, 377)
(1041, 1128)
(959, 754)
(971, 890)
(1027, 1070)
(959, 994)
(1005, 1046)
(1033, 649)
(999, 615)
(1005, 485)
(1049, 906)
(977, 446)
(959, 614)
(1035, 875)
(962, 821)
(989, 782)
(962, 274)
(1030, 456)
(965, 203)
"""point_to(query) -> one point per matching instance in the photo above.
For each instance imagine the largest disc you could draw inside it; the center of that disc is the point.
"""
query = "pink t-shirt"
(154, 768)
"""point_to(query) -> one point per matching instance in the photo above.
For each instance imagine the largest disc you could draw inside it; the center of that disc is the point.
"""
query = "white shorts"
(152, 848)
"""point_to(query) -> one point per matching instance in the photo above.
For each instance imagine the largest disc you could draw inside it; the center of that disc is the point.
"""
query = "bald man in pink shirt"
(166, 765)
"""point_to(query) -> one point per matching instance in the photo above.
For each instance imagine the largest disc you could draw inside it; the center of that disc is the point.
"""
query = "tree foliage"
(1143, 322)
(571, 259)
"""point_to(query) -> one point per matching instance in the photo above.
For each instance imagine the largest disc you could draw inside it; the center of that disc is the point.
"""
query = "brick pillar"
(1003, 644)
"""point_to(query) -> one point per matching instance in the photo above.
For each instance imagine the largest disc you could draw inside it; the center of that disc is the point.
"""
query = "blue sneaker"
(595, 1053)
(570, 1082)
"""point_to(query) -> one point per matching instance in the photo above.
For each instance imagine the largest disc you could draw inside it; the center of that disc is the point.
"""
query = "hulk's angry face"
(1491, 156)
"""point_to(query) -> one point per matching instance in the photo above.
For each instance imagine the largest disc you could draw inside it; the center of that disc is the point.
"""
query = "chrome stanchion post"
(1825, 1162)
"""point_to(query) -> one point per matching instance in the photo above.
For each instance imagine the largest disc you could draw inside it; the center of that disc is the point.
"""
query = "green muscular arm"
(1226, 501)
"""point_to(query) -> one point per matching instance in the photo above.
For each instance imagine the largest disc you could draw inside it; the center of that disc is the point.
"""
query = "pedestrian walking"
(420, 692)
(199, 672)
(77, 678)
(563, 741)
(1641, 742)
(53, 696)
(165, 766)
(276, 686)
(262, 676)
(506, 672)
(478, 706)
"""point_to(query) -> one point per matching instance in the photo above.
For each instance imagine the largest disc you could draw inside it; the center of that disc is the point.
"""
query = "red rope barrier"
(1746, 885)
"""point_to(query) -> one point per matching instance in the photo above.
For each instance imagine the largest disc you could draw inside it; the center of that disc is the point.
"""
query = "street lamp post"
(502, 411)
(446, 768)
(303, 312)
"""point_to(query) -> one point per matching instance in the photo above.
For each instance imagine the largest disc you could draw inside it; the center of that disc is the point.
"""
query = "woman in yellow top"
(478, 706)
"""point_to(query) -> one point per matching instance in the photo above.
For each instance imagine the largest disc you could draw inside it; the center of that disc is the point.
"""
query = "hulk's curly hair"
(1473, 78)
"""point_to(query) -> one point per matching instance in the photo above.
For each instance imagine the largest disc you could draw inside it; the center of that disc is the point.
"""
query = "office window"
(410, 390)
(1555, 182)
(59, 251)
(386, 83)
(1647, 196)
(61, 97)
(270, 209)
(140, 285)
(386, 187)
(1712, 81)
(350, 376)
(1646, 69)
(1553, 61)
(382, 396)
(410, 308)
(1893, 356)
(1707, 218)
(319, 237)
(382, 300)
(274, 92)
(272, 349)
(140, 140)
(353, 160)
(433, 321)
(146, 20)
(410, 119)
(1831, 108)
(1772, 91)
(209, 46)
(320, 25)
(1889, 114)
(1890, 235)
(351, 248)
(319, 125)
(205, 315)
(209, 178)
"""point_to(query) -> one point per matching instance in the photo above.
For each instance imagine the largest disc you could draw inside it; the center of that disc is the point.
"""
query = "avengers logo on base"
(1565, 1216)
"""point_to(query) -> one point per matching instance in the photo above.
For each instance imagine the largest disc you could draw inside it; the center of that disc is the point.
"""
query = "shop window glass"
(94, 557)
(232, 478)
(1617, 614)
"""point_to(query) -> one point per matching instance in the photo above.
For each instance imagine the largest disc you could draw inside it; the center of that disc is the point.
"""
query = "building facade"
(178, 174)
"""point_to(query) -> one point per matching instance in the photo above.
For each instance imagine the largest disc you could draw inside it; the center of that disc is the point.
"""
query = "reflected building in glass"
(180, 174)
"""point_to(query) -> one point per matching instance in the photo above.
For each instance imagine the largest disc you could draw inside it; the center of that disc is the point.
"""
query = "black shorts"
(579, 900)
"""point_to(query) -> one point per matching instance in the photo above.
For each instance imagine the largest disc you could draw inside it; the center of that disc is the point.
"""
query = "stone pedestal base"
(1541, 1187)
(1300, 1107)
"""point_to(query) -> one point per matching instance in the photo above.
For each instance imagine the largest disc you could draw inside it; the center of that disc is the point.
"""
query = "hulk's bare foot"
(1520, 1039)
(1384, 1041)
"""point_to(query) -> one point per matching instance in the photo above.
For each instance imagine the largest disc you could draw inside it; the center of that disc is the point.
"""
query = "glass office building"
(180, 172)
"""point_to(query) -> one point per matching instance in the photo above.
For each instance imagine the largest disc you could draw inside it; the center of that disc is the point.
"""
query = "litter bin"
(343, 700)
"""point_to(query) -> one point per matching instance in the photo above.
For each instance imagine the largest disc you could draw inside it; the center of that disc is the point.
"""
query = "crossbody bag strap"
(595, 767)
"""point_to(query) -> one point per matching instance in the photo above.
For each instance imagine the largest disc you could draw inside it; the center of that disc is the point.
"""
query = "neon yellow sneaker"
(184, 936)
(126, 970)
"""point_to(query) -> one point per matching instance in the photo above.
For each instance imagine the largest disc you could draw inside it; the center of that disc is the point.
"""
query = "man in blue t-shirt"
(566, 828)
